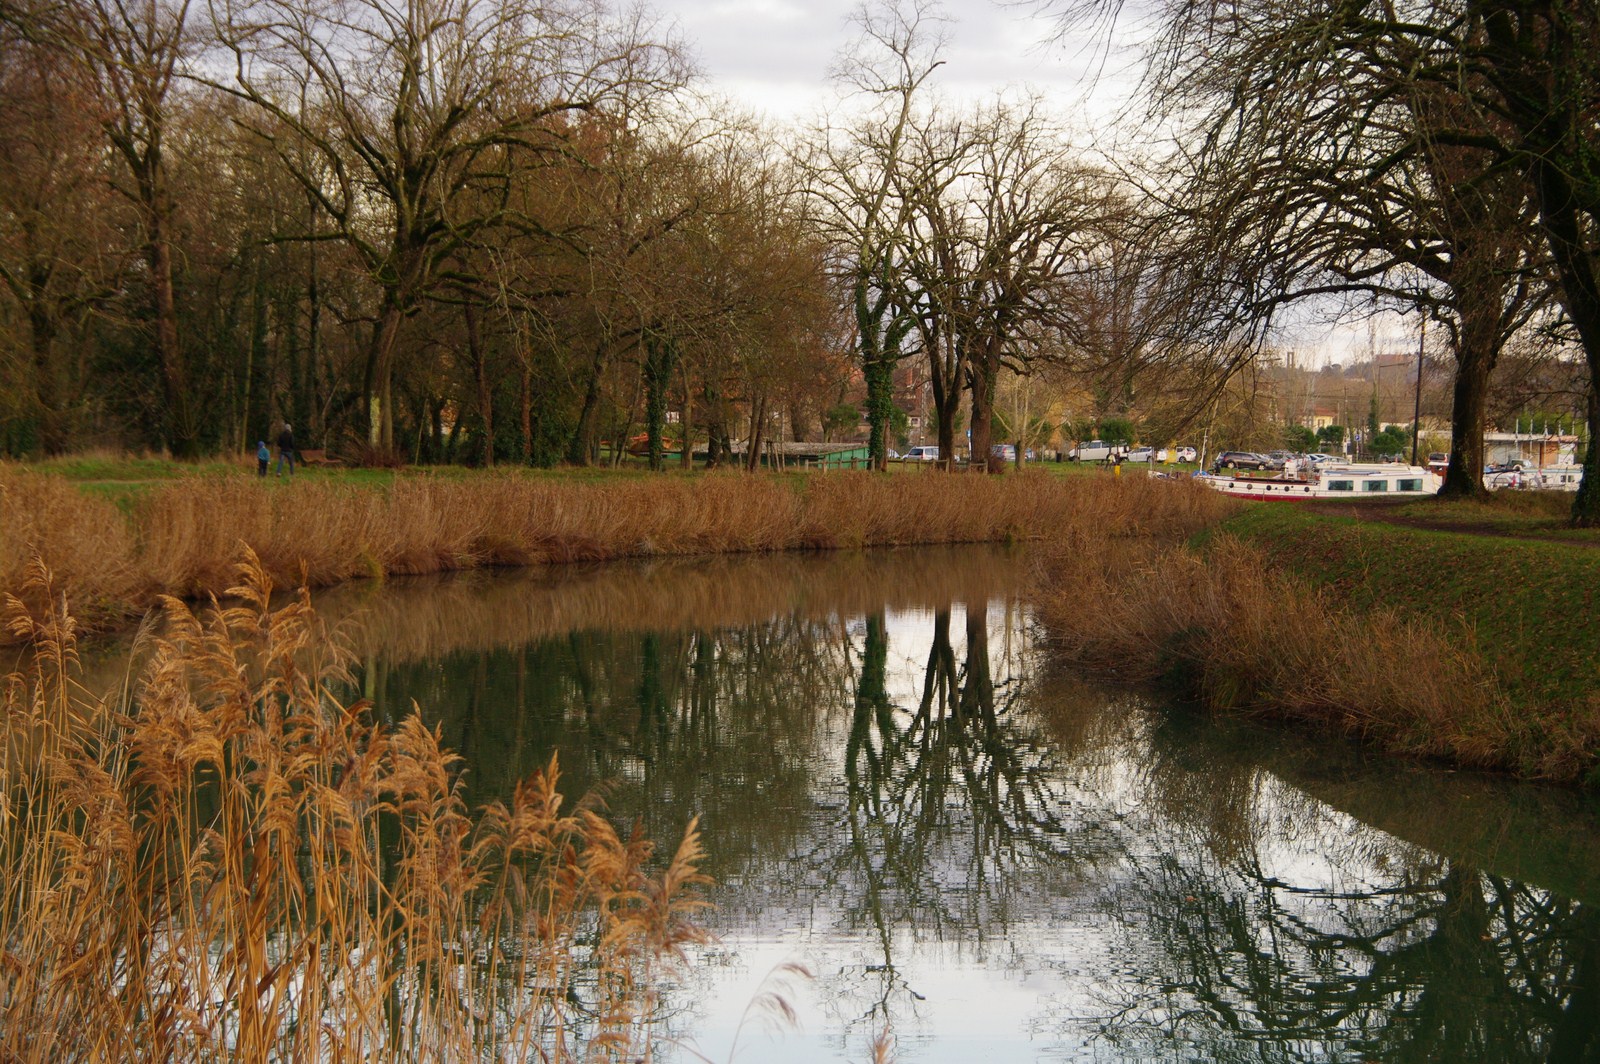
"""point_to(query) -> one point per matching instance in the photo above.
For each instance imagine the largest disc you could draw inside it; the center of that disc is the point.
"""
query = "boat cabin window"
(1410, 485)
(1341, 485)
(1375, 485)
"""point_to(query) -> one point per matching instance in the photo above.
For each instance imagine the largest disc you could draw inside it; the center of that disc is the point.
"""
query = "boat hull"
(1349, 483)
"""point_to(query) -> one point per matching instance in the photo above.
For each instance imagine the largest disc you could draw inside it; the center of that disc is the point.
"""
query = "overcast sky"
(774, 56)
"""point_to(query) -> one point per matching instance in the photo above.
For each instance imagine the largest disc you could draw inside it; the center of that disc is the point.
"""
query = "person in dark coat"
(286, 449)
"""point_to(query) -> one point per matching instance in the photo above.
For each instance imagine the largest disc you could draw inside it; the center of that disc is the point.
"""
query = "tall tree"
(856, 177)
(60, 252)
(134, 50)
(406, 121)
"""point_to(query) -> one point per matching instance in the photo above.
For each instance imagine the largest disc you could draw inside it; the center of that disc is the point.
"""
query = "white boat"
(1349, 482)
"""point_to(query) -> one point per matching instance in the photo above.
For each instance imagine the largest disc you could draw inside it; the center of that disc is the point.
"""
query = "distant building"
(1320, 418)
(1536, 449)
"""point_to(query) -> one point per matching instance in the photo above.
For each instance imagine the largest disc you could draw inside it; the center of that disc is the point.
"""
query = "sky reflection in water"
(982, 853)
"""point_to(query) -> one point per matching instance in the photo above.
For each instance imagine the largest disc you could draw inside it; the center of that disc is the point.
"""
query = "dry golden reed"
(182, 538)
(1241, 635)
(237, 866)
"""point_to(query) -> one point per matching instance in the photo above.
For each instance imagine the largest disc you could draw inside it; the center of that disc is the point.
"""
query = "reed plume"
(236, 864)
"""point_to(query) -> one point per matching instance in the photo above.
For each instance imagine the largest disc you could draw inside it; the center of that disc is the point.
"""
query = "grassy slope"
(1530, 606)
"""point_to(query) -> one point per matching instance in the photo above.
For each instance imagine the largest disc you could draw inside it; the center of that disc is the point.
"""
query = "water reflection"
(989, 856)
(1279, 928)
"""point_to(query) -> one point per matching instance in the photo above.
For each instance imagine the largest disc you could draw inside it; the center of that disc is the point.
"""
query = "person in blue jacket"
(263, 456)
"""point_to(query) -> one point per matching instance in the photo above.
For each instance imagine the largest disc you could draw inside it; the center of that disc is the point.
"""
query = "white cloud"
(774, 55)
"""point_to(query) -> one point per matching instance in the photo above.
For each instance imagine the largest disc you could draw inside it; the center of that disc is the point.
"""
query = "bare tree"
(134, 52)
(405, 121)
(1463, 120)
(1000, 219)
(60, 253)
(857, 177)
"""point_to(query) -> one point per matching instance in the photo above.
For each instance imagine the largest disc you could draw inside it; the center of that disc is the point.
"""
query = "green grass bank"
(1465, 632)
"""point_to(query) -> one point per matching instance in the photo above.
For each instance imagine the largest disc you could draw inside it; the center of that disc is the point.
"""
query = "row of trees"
(1438, 156)
(473, 230)
(415, 224)
(457, 229)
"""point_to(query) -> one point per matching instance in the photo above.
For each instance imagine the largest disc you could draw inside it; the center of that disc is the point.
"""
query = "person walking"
(286, 449)
(263, 457)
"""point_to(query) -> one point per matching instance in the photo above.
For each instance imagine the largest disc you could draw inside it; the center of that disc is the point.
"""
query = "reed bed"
(235, 865)
(182, 538)
(1228, 628)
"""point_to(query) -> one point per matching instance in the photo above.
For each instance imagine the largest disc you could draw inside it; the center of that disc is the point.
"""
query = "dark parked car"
(1243, 460)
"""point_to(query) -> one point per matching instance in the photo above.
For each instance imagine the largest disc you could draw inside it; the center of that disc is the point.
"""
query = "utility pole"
(1416, 410)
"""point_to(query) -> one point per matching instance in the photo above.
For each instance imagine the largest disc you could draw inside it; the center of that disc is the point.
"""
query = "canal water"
(921, 825)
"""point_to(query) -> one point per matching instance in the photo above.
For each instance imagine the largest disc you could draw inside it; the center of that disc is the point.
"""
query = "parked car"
(927, 453)
(1096, 451)
(1319, 457)
(1185, 453)
(1005, 452)
(1278, 458)
(1148, 454)
(1243, 460)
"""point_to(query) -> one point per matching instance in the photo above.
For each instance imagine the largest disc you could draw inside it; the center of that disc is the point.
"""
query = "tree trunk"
(182, 433)
(984, 370)
(527, 411)
(758, 418)
(946, 366)
(661, 354)
(380, 368)
(480, 370)
(1580, 295)
(1478, 300)
(42, 334)
(880, 404)
(685, 426)
(311, 412)
(581, 448)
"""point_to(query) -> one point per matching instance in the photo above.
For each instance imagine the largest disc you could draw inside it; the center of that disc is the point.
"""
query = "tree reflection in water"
(899, 791)
(1277, 929)
(953, 803)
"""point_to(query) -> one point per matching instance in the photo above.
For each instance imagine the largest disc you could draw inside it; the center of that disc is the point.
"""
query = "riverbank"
(115, 548)
(1466, 633)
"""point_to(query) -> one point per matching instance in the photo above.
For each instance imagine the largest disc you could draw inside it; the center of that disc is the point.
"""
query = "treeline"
(462, 230)
(469, 230)
(454, 230)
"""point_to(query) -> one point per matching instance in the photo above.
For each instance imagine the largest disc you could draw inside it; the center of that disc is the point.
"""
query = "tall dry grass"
(234, 865)
(181, 538)
(1229, 629)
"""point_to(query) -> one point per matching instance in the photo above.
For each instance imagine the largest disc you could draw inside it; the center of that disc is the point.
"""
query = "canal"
(920, 824)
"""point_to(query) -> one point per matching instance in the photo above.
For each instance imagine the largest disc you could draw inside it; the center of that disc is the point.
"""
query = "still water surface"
(983, 853)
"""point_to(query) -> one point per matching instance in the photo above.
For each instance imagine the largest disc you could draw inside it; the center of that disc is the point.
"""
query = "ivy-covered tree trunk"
(879, 334)
(660, 360)
(880, 406)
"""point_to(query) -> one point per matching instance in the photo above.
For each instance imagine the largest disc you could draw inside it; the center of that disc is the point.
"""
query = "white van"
(1093, 451)
(922, 454)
